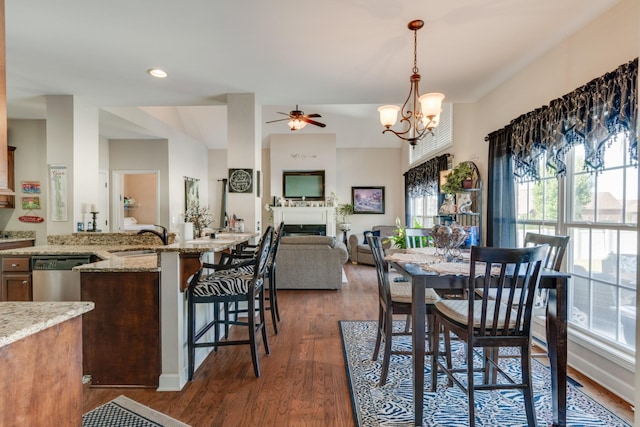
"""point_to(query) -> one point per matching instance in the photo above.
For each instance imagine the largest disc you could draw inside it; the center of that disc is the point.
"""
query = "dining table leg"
(556, 325)
(418, 311)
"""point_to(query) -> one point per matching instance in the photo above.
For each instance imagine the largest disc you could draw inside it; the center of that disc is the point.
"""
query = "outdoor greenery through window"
(599, 213)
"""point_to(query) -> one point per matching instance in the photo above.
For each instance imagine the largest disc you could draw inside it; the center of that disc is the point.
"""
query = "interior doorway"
(135, 199)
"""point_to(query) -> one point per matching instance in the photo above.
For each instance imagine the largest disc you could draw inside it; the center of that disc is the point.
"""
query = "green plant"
(343, 211)
(398, 238)
(461, 172)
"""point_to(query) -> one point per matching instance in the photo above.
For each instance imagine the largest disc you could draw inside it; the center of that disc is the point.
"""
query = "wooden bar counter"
(41, 363)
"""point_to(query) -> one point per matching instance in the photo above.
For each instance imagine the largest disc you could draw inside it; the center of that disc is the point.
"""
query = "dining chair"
(393, 298)
(226, 284)
(493, 323)
(271, 295)
(417, 237)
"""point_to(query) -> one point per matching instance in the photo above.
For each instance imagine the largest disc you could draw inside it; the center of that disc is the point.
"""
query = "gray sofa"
(310, 262)
(359, 252)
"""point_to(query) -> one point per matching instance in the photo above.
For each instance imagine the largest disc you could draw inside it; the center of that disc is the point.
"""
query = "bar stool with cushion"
(247, 252)
(227, 284)
(493, 323)
(393, 298)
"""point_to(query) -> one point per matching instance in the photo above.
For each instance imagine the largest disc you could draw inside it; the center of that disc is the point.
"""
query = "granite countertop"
(220, 243)
(16, 239)
(139, 263)
(22, 319)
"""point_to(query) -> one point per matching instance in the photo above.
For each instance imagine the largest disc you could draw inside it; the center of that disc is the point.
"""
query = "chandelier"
(420, 114)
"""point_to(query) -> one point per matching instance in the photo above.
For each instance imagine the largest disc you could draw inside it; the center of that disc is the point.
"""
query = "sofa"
(310, 262)
(359, 250)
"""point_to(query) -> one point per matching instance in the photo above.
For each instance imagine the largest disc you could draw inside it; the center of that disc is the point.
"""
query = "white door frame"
(117, 195)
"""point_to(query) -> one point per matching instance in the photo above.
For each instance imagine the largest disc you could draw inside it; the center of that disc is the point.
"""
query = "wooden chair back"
(557, 248)
(503, 270)
(382, 269)
(417, 237)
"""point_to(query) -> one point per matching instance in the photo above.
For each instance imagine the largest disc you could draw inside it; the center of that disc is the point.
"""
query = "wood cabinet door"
(17, 287)
(9, 201)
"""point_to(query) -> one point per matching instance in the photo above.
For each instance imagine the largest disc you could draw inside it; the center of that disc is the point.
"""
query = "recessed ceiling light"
(157, 72)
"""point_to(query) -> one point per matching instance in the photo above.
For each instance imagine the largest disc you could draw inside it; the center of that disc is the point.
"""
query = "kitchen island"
(41, 363)
(141, 293)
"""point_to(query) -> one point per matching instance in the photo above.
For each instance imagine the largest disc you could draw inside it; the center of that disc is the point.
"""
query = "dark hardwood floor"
(303, 381)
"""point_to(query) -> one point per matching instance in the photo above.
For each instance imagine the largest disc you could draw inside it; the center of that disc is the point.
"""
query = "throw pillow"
(375, 233)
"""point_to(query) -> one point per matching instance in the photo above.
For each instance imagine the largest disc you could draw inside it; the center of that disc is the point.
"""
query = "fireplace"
(309, 220)
(305, 230)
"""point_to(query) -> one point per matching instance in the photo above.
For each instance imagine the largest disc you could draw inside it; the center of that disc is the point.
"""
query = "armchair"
(359, 250)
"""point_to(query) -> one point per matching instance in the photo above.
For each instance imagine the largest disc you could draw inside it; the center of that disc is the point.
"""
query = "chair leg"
(386, 357)
(251, 320)
(528, 390)
(274, 303)
(216, 318)
(435, 348)
(263, 322)
(407, 325)
(470, 386)
(376, 349)
(191, 327)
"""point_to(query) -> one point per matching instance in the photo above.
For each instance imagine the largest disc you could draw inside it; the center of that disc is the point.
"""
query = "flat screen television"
(299, 184)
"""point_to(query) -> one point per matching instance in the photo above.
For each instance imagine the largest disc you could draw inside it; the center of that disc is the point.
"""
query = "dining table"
(424, 268)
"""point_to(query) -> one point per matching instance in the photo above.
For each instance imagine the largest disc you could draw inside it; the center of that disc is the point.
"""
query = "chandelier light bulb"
(388, 115)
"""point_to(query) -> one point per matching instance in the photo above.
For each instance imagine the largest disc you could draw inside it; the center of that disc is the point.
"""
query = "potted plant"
(343, 211)
(458, 178)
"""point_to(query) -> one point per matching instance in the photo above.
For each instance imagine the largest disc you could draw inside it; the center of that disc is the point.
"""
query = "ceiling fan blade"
(312, 122)
(313, 115)
(286, 114)
(279, 120)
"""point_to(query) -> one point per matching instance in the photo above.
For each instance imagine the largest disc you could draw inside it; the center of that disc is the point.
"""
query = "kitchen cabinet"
(121, 336)
(16, 279)
(5, 200)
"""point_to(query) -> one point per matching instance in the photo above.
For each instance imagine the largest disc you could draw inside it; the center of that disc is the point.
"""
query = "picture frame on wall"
(240, 180)
(367, 200)
(191, 193)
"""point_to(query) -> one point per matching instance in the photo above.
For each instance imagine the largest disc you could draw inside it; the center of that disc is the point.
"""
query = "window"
(442, 137)
(423, 210)
(599, 212)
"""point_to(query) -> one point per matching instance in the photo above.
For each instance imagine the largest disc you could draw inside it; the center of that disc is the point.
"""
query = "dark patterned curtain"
(501, 209)
(422, 180)
(592, 116)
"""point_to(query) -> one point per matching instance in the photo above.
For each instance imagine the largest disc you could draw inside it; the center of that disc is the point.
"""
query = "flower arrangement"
(199, 217)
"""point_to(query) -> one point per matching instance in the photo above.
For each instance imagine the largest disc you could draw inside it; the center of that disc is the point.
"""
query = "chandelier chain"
(415, 52)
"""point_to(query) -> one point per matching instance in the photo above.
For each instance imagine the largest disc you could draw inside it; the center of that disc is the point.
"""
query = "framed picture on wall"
(367, 200)
(240, 180)
(191, 193)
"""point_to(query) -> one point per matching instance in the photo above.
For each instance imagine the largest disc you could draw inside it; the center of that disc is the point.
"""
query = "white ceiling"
(339, 58)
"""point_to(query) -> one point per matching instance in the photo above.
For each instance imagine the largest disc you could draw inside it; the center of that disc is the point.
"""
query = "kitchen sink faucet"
(164, 236)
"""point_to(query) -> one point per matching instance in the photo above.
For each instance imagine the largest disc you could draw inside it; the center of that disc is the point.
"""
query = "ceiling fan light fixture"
(157, 73)
(420, 114)
(296, 124)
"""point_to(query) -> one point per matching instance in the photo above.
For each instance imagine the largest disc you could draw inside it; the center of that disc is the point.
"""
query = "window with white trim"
(442, 137)
(599, 212)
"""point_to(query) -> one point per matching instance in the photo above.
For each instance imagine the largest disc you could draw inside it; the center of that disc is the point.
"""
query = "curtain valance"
(422, 180)
(592, 115)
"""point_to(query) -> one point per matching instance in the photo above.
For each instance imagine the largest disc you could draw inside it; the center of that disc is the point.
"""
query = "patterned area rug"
(392, 404)
(124, 412)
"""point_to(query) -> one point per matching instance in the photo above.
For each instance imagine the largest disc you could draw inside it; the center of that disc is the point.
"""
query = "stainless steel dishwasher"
(53, 278)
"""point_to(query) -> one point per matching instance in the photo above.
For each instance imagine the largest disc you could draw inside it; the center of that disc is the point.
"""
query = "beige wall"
(142, 187)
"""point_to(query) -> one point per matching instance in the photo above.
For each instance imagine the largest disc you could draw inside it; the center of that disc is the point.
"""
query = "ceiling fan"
(298, 119)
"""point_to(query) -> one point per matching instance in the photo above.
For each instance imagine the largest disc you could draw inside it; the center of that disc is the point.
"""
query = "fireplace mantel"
(306, 215)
